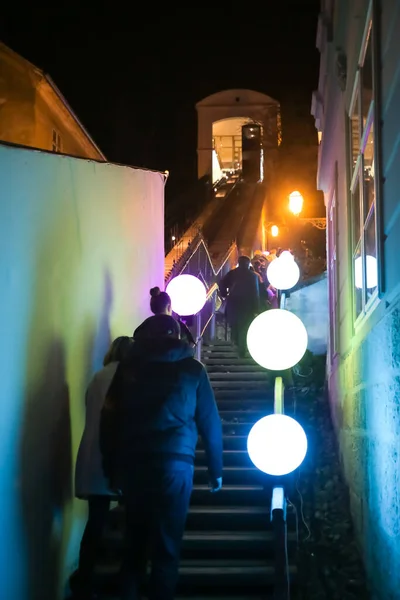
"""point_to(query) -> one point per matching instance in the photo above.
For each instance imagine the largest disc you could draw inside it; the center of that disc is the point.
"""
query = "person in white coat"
(90, 482)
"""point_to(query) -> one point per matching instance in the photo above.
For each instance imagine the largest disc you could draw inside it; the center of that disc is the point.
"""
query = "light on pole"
(274, 231)
(296, 202)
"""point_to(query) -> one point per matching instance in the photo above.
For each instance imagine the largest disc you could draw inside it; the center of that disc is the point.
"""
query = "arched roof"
(236, 98)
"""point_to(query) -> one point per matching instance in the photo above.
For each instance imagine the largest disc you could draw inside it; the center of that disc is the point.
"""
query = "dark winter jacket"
(241, 288)
(159, 401)
(186, 334)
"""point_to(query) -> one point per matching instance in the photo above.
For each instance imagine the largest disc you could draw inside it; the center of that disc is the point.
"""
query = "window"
(56, 145)
(333, 276)
(363, 185)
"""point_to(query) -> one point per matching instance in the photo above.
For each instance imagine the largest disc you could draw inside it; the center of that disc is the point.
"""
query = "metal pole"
(212, 324)
(278, 515)
(198, 334)
(279, 405)
(278, 518)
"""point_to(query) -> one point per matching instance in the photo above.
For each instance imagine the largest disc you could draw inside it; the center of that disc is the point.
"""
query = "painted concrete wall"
(364, 377)
(309, 304)
(81, 244)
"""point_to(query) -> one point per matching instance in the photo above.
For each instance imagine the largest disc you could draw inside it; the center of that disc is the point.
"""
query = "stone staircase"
(228, 548)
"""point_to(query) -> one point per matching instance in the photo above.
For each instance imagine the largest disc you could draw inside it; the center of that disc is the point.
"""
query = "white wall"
(310, 305)
(81, 243)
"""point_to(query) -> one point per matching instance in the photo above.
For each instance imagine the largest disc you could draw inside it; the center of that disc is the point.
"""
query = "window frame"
(333, 233)
(370, 36)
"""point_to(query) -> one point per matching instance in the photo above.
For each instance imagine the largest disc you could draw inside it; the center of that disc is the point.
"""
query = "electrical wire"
(297, 371)
(297, 519)
(287, 564)
(302, 509)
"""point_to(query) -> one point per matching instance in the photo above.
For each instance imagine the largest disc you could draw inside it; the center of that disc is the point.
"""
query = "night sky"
(133, 76)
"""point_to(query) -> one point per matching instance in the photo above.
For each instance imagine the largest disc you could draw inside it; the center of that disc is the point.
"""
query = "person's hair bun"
(155, 291)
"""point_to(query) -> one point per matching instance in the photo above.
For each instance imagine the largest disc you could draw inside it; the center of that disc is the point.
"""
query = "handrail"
(211, 290)
(194, 248)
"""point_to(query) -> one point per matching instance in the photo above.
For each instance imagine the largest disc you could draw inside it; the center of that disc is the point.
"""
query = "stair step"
(205, 596)
(224, 360)
(231, 475)
(225, 537)
(257, 404)
(259, 393)
(222, 347)
(232, 458)
(247, 518)
(231, 442)
(215, 544)
(225, 545)
(225, 354)
(214, 517)
(243, 385)
(239, 378)
(220, 597)
(218, 343)
(233, 575)
(231, 495)
(233, 368)
(241, 415)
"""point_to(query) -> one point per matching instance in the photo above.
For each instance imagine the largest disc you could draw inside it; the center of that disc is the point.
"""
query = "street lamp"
(274, 231)
(296, 202)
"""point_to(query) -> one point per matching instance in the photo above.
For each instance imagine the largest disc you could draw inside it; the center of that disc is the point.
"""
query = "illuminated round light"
(296, 202)
(283, 274)
(277, 444)
(274, 230)
(372, 272)
(188, 294)
(277, 339)
(286, 255)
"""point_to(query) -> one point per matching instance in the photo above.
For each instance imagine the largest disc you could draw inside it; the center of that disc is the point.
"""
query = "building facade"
(356, 110)
(220, 119)
(34, 113)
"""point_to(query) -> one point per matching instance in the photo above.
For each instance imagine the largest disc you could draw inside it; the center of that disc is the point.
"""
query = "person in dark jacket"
(241, 289)
(160, 304)
(158, 403)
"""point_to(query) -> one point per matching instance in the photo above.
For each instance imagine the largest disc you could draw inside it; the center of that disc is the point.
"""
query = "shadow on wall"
(46, 473)
(46, 465)
(99, 342)
(46, 452)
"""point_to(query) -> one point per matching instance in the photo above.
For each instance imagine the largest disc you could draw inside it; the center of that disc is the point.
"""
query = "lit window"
(56, 143)
(363, 185)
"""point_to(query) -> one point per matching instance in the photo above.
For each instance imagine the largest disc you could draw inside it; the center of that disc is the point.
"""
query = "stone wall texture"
(367, 417)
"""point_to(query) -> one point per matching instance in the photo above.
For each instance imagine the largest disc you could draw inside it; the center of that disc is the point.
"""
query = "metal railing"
(197, 261)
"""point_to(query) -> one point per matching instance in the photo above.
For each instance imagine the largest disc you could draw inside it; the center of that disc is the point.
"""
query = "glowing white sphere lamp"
(277, 444)
(283, 274)
(286, 255)
(372, 272)
(188, 294)
(277, 339)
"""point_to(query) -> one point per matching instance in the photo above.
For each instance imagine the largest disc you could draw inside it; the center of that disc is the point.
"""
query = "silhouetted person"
(90, 482)
(159, 400)
(160, 304)
(241, 289)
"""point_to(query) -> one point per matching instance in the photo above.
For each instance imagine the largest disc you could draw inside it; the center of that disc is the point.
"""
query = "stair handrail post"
(279, 404)
(212, 323)
(278, 519)
(198, 336)
(278, 514)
